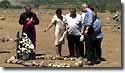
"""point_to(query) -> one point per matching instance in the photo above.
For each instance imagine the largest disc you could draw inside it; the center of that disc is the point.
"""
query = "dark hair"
(58, 11)
(92, 9)
(89, 6)
(72, 9)
(28, 6)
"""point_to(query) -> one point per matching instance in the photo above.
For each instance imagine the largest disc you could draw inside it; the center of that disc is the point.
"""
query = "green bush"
(5, 4)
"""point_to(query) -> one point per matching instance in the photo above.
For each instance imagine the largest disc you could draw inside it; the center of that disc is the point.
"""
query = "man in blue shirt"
(87, 22)
(93, 41)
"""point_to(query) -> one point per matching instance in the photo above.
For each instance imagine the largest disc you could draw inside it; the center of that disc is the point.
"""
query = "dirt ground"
(111, 45)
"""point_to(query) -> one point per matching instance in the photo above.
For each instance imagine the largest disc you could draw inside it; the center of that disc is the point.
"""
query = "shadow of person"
(39, 54)
(103, 59)
(5, 52)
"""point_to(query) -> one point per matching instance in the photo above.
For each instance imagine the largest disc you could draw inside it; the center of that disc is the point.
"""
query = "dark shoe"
(85, 56)
(98, 61)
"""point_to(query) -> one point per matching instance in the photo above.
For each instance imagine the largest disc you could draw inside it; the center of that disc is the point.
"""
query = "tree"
(5, 4)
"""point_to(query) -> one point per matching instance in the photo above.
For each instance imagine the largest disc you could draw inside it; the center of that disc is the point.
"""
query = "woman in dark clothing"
(29, 19)
(97, 25)
(94, 38)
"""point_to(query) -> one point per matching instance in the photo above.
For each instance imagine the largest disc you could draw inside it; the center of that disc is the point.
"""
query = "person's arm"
(22, 19)
(35, 19)
(88, 19)
(65, 24)
(98, 25)
(53, 22)
(50, 25)
(82, 30)
(82, 23)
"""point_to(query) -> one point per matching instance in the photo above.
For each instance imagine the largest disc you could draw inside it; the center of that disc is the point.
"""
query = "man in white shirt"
(73, 31)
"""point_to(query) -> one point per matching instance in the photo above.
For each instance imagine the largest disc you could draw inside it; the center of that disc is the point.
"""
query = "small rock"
(53, 58)
(54, 65)
(66, 59)
(13, 58)
(42, 57)
(35, 64)
(58, 65)
(14, 61)
(3, 40)
(79, 64)
(41, 64)
(72, 59)
(76, 64)
(50, 65)
(67, 66)
(9, 61)
(2, 18)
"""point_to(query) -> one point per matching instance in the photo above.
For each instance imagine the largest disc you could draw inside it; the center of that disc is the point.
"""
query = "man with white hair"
(87, 22)
(87, 15)
(82, 37)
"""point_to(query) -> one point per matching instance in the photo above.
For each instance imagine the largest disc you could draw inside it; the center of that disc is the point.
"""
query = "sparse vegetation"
(5, 4)
(101, 5)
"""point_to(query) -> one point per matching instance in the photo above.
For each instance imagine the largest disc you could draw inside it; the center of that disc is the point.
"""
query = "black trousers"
(93, 49)
(98, 50)
(74, 45)
(90, 50)
(82, 50)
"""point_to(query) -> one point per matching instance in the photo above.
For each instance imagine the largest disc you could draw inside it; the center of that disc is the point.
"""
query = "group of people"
(83, 31)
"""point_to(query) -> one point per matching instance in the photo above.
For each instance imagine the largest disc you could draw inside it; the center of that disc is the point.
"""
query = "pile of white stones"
(77, 62)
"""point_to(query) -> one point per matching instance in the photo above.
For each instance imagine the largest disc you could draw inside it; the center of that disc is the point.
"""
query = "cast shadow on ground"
(4, 52)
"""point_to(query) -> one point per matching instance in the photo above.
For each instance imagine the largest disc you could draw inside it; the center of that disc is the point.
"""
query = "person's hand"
(82, 32)
(27, 19)
(81, 38)
(86, 32)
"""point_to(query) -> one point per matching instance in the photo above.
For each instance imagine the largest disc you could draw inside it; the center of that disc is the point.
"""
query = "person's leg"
(58, 50)
(94, 50)
(98, 48)
(82, 49)
(77, 46)
(90, 52)
(85, 47)
(70, 45)
(31, 33)
(34, 38)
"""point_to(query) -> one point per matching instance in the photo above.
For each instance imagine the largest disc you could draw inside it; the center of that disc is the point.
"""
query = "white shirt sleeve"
(53, 19)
